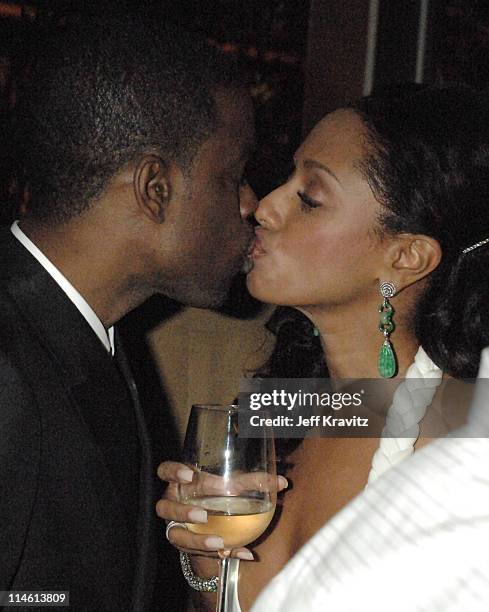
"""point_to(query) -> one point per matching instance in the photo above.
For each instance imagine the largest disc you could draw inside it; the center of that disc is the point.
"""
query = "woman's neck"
(351, 341)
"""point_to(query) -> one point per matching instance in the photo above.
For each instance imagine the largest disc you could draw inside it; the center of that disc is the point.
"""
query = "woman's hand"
(170, 509)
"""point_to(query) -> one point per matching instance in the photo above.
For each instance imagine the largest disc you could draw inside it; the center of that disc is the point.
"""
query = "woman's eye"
(307, 203)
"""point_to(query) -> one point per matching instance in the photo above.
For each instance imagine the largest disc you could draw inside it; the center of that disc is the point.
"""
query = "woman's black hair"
(427, 162)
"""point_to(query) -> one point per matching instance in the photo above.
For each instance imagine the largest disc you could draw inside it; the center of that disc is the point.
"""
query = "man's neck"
(90, 260)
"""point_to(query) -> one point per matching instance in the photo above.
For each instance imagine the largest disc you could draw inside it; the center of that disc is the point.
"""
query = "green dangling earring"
(387, 358)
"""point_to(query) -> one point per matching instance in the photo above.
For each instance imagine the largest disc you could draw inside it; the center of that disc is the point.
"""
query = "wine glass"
(234, 481)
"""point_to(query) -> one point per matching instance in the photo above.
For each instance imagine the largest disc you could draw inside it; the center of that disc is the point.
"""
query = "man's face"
(207, 232)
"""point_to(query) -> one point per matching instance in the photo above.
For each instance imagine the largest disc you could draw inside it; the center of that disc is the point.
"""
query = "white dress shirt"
(104, 335)
(417, 539)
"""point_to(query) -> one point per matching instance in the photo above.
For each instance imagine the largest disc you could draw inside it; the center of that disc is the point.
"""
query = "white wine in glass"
(234, 479)
(238, 520)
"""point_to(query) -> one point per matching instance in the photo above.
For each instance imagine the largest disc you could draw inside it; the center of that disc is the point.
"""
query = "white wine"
(238, 520)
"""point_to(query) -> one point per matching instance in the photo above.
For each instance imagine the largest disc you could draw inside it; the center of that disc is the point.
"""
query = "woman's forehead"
(339, 137)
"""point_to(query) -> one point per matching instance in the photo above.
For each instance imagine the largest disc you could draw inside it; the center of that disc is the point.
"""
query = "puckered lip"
(257, 249)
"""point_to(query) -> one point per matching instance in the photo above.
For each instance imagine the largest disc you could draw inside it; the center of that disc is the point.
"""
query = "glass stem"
(227, 593)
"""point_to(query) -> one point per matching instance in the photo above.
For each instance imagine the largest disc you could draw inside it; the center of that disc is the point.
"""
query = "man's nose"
(248, 202)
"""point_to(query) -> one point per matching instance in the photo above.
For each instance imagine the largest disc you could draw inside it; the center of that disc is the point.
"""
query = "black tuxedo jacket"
(77, 483)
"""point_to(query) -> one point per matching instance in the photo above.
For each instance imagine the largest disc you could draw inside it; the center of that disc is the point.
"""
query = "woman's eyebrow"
(312, 163)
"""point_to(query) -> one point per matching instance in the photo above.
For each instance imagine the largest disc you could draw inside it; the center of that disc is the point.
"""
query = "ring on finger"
(172, 524)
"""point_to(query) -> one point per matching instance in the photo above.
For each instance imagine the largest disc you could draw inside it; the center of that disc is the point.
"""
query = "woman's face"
(317, 243)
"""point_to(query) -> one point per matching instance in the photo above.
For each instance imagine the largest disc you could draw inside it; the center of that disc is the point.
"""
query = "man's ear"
(152, 182)
(412, 257)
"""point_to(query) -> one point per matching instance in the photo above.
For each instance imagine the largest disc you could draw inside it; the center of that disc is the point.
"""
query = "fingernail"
(283, 482)
(214, 542)
(245, 554)
(185, 474)
(196, 515)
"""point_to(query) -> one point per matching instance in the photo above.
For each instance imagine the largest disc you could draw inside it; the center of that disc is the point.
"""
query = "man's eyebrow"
(249, 150)
(313, 164)
(236, 157)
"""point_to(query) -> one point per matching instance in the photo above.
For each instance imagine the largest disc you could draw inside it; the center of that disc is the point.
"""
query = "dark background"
(303, 58)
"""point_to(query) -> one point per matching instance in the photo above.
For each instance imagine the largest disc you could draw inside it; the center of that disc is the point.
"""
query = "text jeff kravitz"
(313, 421)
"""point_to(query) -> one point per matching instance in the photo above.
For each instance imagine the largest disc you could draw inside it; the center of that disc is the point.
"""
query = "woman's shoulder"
(448, 410)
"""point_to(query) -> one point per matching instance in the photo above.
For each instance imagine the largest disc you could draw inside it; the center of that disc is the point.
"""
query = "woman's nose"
(267, 213)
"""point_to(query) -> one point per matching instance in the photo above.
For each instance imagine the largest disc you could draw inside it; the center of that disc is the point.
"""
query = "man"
(134, 138)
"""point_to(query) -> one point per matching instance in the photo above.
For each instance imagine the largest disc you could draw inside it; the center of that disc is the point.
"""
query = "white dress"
(415, 539)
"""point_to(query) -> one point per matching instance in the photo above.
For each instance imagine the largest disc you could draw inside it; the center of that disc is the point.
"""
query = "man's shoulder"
(20, 347)
(18, 405)
(8, 249)
(12, 321)
(17, 263)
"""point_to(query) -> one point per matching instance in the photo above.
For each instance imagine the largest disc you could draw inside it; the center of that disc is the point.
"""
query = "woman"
(387, 205)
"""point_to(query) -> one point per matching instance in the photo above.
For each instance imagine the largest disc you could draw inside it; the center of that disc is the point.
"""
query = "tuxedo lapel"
(146, 555)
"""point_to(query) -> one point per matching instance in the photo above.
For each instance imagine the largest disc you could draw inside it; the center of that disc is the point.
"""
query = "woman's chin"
(258, 289)
(265, 292)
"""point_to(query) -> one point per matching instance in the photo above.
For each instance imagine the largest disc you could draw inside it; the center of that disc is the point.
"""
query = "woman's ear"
(412, 257)
(153, 186)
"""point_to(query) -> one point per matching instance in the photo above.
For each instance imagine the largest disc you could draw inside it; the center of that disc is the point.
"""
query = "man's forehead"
(236, 115)
(234, 137)
(229, 149)
(237, 145)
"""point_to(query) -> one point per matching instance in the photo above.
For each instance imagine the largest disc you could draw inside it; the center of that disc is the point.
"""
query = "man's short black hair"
(103, 91)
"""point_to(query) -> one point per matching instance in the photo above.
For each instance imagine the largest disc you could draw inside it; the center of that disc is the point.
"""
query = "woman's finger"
(196, 543)
(239, 553)
(171, 510)
(172, 471)
(282, 483)
(260, 481)
(204, 545)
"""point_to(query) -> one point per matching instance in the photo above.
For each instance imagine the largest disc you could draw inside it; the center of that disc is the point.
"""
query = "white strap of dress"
(409, 406)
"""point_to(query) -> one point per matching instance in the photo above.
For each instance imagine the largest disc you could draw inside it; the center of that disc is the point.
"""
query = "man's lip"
(257, 249)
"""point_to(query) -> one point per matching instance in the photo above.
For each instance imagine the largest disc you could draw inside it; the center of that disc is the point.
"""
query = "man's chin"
(204, 297)
(209, 302)
(247, 265)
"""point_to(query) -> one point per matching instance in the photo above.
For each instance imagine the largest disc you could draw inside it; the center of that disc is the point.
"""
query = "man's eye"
(307, 203)
(291, 170)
